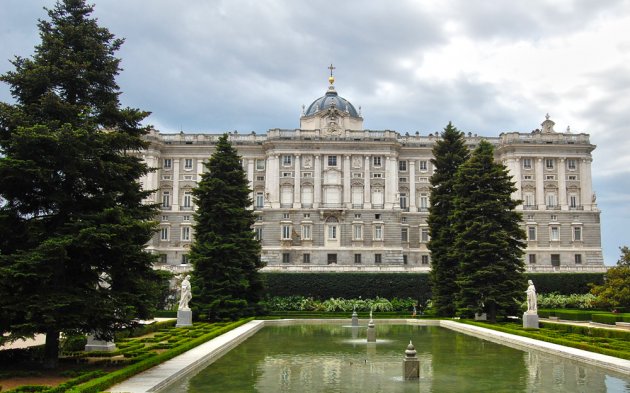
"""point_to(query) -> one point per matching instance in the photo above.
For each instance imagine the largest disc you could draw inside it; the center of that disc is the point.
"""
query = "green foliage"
(226, 283)
(72, 223)
(565, 283)
(449, 153)
(72, 343)
(554, 300)
(615, 292)
(300, 303)
(489, 241)
(608, 319)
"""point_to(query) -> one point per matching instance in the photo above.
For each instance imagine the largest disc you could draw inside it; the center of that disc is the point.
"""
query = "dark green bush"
(608, 319)
(73, 343)
(574, 315)
(565, 283)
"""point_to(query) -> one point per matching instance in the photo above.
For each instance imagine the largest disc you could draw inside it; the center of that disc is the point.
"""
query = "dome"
(331, 99)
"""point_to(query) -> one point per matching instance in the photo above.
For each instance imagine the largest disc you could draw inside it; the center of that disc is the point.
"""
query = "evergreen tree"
(226, 256)
(448, 154)
(72, 224)
(489, 241)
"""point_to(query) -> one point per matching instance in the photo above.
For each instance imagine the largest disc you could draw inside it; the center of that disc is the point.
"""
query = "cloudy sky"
(207, 66)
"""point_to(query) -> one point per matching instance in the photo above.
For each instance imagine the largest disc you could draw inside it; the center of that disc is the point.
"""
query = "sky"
(209, 66)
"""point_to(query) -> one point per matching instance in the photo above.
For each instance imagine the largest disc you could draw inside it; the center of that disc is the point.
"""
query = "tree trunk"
(492, 312)
(51, 349)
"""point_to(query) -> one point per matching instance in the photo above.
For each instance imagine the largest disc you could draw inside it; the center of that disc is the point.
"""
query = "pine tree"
(448, 154)
(489, 241)
(72, 224)
(226, 256)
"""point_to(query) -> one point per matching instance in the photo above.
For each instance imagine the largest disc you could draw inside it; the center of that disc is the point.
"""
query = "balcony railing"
(377, 206)
(577, 207)
(530, 207)
(423, 209)
(553, 207)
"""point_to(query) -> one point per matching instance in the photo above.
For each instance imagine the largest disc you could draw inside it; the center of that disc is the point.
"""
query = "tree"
(72, 223)
(449, 153)
(615, 292)
(226, 256)
(489, 241)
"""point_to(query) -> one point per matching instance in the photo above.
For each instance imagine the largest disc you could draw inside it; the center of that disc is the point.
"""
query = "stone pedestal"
(481, 317)
(411, 363)
(184, 318)
(530, 321)
(371, 332)
(355, 319)
(99, 345)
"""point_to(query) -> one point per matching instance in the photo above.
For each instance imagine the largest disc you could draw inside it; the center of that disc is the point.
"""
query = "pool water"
(336, 358)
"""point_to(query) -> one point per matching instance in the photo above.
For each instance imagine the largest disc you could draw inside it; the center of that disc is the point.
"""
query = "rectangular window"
(529, 199)
(286, 232)
(527, 177)
(376, 161)
(531, 233)
(286, 215)
(555, 260)
(260, 165)
(402, 180)
(527, 163)
(554, 217)
(549, 163)
(377, 258)
(424, 202)
(186, 233)
(164, 218)
(307, 174)
(572, 177)
(332, 259)
(423, 179)
(258, 233)
(571, 164)
(405, 259)
(357, 258)
(260, 178)
(377, 216)
(188, 162)
(307, 232)
(377, 175)
(332, 232)
(402, 166)
(424, 235)
(577, 234)
(166, 199)
(185, 259)
(424, 259)
(554, 234)
(404, 234)
(357, 232)
(187, 199)
(286, 257)
(168, 163)
(287, 160)
(423, 166)
(260, 200)
(378, 232)
(532, 259)
(332, 160)
(306, 258)
(164, 233)
(403, 200)
(578, 259)
(306, 215)
(552, 200)
(550, 177)
(287, 174)
(573, 201)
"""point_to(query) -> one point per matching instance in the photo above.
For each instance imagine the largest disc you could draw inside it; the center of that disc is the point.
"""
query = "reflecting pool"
(336, 358)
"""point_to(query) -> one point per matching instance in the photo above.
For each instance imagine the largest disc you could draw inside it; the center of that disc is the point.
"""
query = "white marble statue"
(186, 294)
(532, 301)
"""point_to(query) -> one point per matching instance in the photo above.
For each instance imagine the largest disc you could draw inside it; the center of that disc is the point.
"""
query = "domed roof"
(331, 99)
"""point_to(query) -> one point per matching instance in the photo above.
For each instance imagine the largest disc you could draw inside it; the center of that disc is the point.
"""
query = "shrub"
(608, 319)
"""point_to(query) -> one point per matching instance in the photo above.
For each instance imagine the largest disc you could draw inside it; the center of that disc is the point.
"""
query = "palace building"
(331, 195)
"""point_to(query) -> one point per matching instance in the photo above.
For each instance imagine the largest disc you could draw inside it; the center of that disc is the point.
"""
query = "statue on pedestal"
(186, 294)
(532, 301)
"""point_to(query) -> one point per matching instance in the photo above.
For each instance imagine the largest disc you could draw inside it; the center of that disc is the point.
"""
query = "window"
(423, 166)
(307, 174)
(552, 200)
(332, 259)
(555, 260)
(578, 259)
(357, 175)
(306, 258)
(424, 202)
(424, 259)
(307, 231)
(529, 199)
(166, 199)
(287, 160)
(260, 200)
(571, 164)
(377, 175)
(332, 232)
(286, 257)
(286, 232)
(405, 259)
(573, 201)
(377, 258)
(260, 165)
(402, 180)
(377, 216)
(166, 177)
(164, 218)
(260, 178)
(378, 232)
(554, 234)
(404, 234)
(531, 233)
(549, 163)
(287, 174)
(185, 259)
(357, 258)
(188, 162)
(187, 199)
(527, 177)
(332, 160)
(423, 179)
(402, 166)
(163, 258)
(530, 217)
(376, 161)
(306, 215)
(554, 217)
(357, 215)
(572, 177)
(577, 234)
(285, 216)
(532, 259)
(424, 235)
(186, 233)
(164, 233)
(403, 219)
(168, 163)
(527, 163)
(403, 200)
(550, 177)
(258, 233)
(357, 232)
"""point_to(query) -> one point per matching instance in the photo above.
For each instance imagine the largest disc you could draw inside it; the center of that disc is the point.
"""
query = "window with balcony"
(286, 232)
(307, 231)
(577, 234)
(260, 200)
(166, 199)
(164, 233)
(187, 200)
(554, 234)
(357, 232)
(186, 233)
(424, 235)
(258, 231)
(378, 232)
(403, 201)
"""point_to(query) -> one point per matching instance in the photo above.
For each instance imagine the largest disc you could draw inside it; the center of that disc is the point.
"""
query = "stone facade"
(332, 195)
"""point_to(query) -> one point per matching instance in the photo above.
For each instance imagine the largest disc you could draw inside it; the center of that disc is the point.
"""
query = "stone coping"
(162, 375)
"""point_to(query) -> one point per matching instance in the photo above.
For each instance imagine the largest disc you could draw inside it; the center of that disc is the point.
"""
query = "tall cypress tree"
(226, 256)
(72, 224)
(489, 241)
(448, 154)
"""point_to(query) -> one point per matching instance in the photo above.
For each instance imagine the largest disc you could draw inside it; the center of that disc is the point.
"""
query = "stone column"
(296, 183)
(515, 169)
(175, 201)
(562, 185)
(272, 180)
(391, 180)
(540, 184)
(346, 182)
(250, 178)
(412, 186)
(317, 191)
(367, 196)
(586, 185)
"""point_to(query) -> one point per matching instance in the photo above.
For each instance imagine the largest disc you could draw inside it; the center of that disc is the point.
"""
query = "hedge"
(608, 319)
(414, 285)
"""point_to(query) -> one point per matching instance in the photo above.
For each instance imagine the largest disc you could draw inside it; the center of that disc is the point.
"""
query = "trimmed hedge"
(608, 319)
(414, 285)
